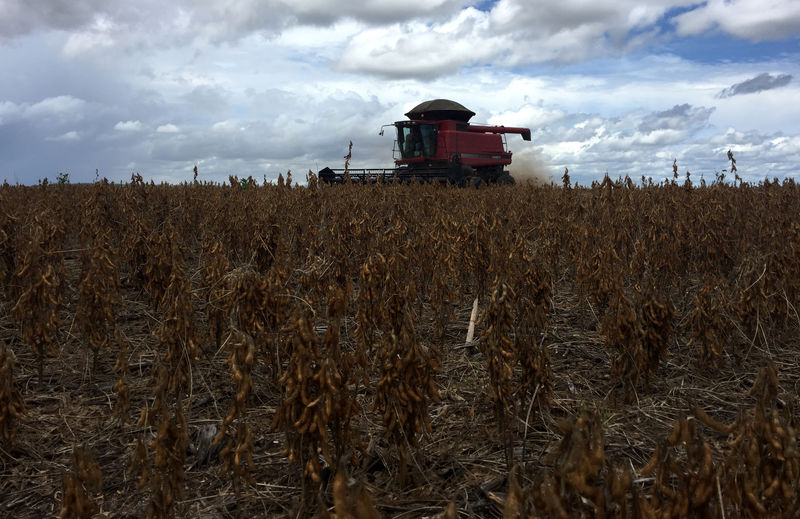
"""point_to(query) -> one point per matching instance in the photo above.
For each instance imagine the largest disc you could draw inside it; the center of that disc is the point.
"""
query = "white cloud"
(751, 19)
(8, 111)
(660, 137)
(57, 108)
(59, 105)
(128, 126)
(98, 36)
(511, 33)
(295, 81)
(534, 116)
(66, 137)
(226, 126)
(96, 24)
(167, 128)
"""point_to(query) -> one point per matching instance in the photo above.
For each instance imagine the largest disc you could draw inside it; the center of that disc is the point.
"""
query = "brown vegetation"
(297, 350)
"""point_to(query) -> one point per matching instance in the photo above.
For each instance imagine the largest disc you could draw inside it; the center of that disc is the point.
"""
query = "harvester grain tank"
(438, 144)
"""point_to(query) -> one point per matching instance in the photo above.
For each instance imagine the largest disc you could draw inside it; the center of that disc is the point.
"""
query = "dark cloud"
(271, 131)
(676, 111)
(22, 16)
(151, 22)
(682, 117)
(757, 84)
(207, 99)
(373, 12)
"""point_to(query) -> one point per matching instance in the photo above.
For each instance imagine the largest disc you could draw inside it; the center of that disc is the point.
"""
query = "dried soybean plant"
(141, 465)
(708, 321)
(98, 295)
(596, 268)
(12, 406)
(85, 475)
(303, 412)
(350, 503)
(238, 451)
(756, 297)
(134, 247)
(574, 487)
(40, 277)
(178, 341)
(122, 405)
(638, 328)
(621, 329)
(657, 314)
(214, 266)
(166, 475)
(444, 282)
(761, 473)
(7, 249)
(255, 306)
(580, 460)
(498, 346)
(372, 284)
(407, 373)
(163, 262)
(342, 373)
(534, 303)
(177, 335)
(685, 474)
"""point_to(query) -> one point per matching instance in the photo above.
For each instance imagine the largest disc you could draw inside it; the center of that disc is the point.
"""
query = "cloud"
(325, 12)
(167, 128)
(528, 115)
(59, 105)
(679, 117)
(99, 35)
(65, 137)
(293, 129)
(401, 39)
(207, 99)
(421, 50)
(244, 86)
(22, 17)
(511, 33)
(759, 83)
(633, 143)
(53, 109)
(751, 19)
(94, 24)
(128, 126)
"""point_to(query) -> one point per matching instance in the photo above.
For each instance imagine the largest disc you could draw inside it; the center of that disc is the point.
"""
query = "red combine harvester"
(437, 144)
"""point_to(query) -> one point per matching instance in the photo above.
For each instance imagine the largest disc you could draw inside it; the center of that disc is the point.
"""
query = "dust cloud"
(529, 167)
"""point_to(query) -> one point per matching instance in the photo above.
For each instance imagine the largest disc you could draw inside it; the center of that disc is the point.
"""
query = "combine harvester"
(437, 144)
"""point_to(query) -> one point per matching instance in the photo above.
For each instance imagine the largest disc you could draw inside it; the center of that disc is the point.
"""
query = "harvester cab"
(415, 139)
(437, 144)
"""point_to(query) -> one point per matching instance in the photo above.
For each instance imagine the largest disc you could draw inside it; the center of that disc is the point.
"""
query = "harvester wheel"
(506, 180)
(475, 182)
(465, 172)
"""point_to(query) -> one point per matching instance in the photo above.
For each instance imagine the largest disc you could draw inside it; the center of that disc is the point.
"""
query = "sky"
(108, 88)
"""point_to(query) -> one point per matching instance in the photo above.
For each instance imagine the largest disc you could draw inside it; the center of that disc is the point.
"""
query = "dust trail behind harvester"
(529, 167)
